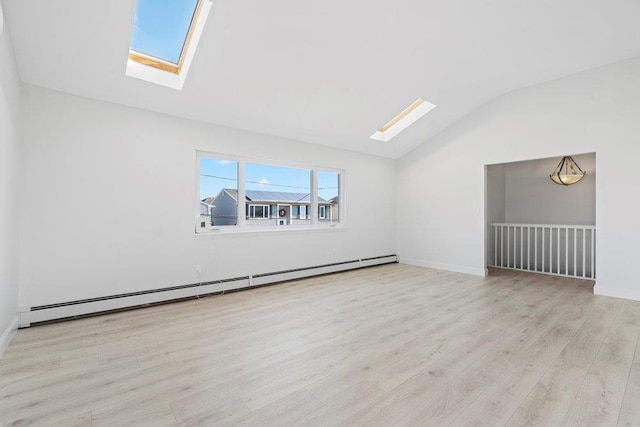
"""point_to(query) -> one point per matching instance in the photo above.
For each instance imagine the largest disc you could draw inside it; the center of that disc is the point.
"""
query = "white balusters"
(573, 256)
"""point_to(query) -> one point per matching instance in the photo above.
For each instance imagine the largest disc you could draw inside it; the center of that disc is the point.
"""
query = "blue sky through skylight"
(161, 27)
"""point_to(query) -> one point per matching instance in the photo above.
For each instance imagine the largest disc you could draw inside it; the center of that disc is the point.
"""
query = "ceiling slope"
(328, 72)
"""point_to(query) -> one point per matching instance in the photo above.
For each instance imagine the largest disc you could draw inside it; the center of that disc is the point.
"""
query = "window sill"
(276, 229)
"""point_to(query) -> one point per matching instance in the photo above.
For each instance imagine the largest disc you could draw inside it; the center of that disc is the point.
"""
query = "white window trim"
(322, 212)
(265, 210)
(311, 208)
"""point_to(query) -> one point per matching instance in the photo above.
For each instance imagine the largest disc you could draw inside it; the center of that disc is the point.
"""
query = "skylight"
(403, 120)
(161, 29)
(164, 38)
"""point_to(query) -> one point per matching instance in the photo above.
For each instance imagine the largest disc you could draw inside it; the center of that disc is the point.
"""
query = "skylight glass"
(403, 120)
(161, 28)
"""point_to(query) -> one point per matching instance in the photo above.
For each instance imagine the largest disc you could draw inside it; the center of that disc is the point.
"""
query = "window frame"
(161, 64)
(322, 212)
(155, 70)
(265, 211)
(242, 226)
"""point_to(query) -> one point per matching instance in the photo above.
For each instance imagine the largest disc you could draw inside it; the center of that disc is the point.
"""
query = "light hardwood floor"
(389, 345)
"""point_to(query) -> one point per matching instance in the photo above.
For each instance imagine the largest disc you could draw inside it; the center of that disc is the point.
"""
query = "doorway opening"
(534, 224)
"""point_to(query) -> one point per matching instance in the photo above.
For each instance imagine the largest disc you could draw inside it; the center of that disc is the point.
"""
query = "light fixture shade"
(567, 172)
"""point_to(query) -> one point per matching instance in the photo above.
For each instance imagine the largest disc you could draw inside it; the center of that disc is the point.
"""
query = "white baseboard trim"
(72, 309)
(617, 293)
(8, 334)
(483, 272)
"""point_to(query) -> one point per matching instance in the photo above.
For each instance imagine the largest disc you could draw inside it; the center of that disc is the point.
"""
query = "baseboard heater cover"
(91, 306)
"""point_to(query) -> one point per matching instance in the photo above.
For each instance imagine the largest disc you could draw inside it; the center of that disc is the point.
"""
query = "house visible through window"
(219, 190)
(274, 195)
(328, 189)
(285, 189)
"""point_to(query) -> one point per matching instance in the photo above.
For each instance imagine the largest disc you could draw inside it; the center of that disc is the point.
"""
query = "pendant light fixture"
(567, 172)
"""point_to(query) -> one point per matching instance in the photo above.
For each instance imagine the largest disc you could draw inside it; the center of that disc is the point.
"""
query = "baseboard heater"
(93, 306)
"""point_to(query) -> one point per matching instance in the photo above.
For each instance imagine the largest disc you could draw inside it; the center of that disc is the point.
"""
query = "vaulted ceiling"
(328, 72)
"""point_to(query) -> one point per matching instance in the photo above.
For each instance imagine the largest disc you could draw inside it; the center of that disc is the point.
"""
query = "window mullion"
(341, 205)
(314, 197)
(241, 195)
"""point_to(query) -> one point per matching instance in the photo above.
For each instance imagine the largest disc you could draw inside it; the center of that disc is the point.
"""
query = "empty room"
(287, 213)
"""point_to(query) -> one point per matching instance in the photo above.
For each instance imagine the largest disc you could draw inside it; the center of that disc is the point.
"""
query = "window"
(219, 190)
(403, 120)
(164, 38)
(279, 186)
(322, 212)
(258, 211)
(245, 195)
(328, 186)
(161, 32)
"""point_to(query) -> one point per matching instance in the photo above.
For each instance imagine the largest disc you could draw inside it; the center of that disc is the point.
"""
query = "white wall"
(441, 216)
(9, 160)
(108, 203)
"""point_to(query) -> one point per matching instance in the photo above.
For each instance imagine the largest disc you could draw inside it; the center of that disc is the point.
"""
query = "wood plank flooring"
(388, 345)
